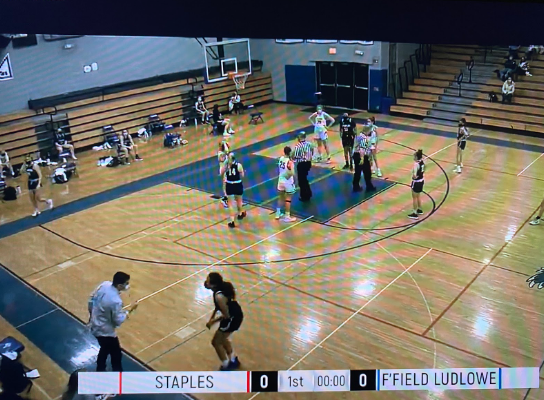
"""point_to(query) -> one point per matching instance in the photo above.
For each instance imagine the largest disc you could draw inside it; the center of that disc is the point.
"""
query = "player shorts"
(462, 144)
(234, 189)
(287, 186)
(417, 187)
(33, 184)
(348, 141)
(230, 325)
(321, 134)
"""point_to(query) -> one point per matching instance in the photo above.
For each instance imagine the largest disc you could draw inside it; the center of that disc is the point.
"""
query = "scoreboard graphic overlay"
(308, 381)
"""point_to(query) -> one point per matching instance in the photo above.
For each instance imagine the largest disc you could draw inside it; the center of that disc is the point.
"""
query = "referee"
(302, 155)
(362, 148)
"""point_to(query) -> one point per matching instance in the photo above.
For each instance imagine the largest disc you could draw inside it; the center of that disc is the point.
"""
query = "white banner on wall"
(322, 41)
(289, 41)
(6, 72)
(356, 42)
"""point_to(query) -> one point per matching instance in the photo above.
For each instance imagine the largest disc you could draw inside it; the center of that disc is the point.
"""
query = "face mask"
(126, 287)
(206, 285)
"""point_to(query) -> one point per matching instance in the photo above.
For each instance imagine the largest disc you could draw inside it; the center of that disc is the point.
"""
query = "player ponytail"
(228, 290)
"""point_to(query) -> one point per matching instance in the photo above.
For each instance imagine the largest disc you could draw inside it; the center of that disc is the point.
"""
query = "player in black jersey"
(418, 172)
(61, 142)
(347, 135)
(34, 183)
(127, 143)
(233, 172)
(462, 136)
(230, 320)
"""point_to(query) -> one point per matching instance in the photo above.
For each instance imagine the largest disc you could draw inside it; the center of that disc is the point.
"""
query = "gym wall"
(48, 69)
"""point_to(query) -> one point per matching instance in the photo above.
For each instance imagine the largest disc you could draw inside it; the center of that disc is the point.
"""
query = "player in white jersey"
(286, 185)
(319, 120)
(5, 163)
(222, 154)
(373, 135)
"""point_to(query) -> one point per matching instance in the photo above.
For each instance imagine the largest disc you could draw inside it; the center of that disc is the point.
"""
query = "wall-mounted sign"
(361, 42)
(52, 38)
(6, 72)
(322, 41)
(289, 41)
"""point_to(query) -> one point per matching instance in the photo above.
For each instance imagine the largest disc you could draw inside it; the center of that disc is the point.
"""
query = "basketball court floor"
(352, 284)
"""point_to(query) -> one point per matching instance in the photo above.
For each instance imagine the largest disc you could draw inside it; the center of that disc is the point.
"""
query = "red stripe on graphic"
(120, 383)
(248, 381)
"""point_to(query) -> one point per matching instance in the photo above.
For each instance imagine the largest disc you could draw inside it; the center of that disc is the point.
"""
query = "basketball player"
(536, 221)
(222, 155)
(61, 142)
(4, 163)
(418, 181)
(128, 144)
(202, 110)
(230, 320)
(319, 121)
(34, 183)
(234, 188)
(286, 185)
(373, 134)
(462, 136)
(347, 135)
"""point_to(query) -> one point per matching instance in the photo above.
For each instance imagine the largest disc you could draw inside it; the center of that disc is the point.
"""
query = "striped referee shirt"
(362, 145)
(304, 151)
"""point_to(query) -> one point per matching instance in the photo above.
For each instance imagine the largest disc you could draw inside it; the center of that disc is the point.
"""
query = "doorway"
(343, 85)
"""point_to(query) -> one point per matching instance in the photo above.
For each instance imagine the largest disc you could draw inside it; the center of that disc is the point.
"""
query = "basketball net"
(239, 79)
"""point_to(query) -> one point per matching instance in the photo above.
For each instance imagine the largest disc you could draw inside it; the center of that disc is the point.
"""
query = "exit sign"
(332, 50)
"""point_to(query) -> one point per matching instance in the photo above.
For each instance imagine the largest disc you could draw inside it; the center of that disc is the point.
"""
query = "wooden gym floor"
(447, 292)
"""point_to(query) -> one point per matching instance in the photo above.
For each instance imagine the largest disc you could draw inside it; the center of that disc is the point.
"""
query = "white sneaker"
(289, 219)
(49, 203)
(379, 174)
(104, 396)
(231, 131)
(535, 221)
(279, 215)
(36, 213)
(74, 158)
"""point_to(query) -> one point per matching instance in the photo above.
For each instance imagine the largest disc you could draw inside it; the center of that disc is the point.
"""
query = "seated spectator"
(510, 67)
(508, 89)
(4, 163)
(127, 144)
(200, 108)
(222, 124)
(523, 67)
(235, 103)
(534, 49)
(61, 142)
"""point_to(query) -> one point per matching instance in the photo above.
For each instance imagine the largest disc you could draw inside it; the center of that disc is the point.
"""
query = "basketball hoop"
(239, 79)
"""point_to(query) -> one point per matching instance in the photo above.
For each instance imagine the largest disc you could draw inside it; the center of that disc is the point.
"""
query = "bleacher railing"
(410, 71)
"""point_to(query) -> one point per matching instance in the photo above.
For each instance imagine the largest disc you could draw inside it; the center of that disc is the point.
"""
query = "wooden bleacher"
(434, 95)
(23, 132)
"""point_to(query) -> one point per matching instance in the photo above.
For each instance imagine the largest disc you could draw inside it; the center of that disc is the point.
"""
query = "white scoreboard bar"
(308, 381)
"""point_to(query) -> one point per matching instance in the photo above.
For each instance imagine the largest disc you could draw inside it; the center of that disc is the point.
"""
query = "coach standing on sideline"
(302, 155)
(106, 314)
